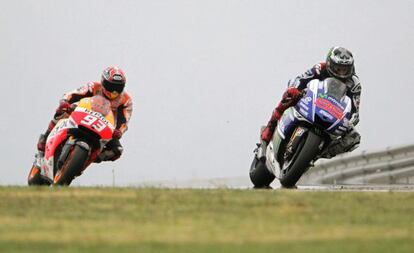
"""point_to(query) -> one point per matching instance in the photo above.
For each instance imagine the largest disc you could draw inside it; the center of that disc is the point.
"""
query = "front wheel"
(307, 150)
(72, 167)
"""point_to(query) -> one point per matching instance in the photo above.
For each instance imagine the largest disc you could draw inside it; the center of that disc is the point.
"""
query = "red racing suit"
(293, 94)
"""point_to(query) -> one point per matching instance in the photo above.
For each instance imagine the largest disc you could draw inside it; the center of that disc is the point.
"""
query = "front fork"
(293, 143)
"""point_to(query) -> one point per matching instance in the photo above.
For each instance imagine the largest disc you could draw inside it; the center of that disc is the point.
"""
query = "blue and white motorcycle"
(303, 133)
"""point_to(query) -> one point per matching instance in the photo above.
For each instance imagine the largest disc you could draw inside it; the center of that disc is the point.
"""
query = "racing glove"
(291, 96)
(64, 107)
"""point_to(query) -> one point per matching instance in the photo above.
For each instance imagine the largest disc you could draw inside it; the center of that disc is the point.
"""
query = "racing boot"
(34, 174)
(347, 143)
(41, 143)
(64, 109)
(35, 177)
(111, 152)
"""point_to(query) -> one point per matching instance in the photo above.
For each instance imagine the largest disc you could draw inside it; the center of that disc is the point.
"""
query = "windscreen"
(336, 88)
(101, 105)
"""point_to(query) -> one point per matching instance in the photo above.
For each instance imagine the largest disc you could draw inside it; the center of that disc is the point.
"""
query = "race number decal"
(94, 122)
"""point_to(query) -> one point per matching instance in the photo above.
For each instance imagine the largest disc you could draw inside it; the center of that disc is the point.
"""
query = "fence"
(390, 166)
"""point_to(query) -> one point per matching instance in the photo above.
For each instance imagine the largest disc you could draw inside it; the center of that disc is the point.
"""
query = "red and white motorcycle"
(74, 143)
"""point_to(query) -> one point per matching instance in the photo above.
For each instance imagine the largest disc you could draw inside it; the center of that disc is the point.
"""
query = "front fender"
(84, 145)
(68, 147)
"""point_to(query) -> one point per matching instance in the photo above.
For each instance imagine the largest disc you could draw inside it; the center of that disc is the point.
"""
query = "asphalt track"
(374, 188)
(244, 183)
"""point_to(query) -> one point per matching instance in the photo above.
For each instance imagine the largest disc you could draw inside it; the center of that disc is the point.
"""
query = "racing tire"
(307, 151)
(72, 167)
(260, 176)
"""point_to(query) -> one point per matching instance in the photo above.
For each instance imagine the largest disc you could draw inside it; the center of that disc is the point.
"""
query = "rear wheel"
(307, 150)
(260, 175)
(72, 167)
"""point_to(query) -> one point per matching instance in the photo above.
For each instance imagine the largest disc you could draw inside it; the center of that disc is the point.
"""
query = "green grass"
(162, 220)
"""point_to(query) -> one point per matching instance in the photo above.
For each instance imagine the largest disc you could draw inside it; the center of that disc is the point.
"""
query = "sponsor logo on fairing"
(335, 102)
(306, 100)
(303, 105)
(329, 107)
(96, 114)
(325, 114)
(303, 112)
(62, 124)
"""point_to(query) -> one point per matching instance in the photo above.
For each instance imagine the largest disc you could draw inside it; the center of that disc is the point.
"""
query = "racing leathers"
(121, 107)
(296, 86)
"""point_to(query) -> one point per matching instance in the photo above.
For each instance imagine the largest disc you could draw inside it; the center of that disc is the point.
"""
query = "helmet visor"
(342, 71)
(113, 87)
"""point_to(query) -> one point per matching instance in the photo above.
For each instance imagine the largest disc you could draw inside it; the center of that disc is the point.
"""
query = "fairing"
(320, 107)
(92, 113)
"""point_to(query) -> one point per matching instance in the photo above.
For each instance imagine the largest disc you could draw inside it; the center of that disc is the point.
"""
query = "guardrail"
(389, 166)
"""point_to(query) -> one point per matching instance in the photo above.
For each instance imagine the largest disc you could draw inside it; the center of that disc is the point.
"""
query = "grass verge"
(47, 219)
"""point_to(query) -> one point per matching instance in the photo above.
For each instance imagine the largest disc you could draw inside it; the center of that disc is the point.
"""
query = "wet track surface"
(376, 188)
(244, 183)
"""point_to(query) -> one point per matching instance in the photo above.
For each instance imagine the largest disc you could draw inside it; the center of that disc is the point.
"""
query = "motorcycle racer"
(111, 86)
(339, 64)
